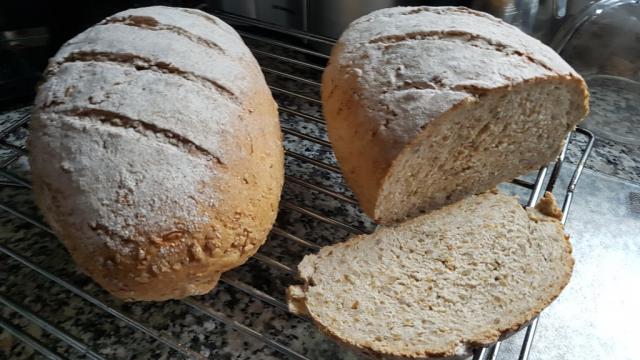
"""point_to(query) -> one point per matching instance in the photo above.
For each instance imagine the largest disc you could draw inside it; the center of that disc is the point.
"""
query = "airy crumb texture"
(441, 284)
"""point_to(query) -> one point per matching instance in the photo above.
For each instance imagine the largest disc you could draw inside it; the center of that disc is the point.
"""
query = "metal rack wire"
(307, 60)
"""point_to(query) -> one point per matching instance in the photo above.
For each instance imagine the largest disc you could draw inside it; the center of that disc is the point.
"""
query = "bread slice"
(441, 284)
(427, 105)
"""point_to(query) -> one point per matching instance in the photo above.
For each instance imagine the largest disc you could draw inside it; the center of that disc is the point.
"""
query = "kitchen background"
(596, 317)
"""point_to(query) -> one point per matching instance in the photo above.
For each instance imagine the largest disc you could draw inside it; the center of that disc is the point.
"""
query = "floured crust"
(159, 167)
(312, 266)
(398, 72)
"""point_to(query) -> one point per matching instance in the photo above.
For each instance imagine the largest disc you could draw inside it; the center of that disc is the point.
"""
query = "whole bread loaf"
(426, 105)
(156, 152)
(441, 284)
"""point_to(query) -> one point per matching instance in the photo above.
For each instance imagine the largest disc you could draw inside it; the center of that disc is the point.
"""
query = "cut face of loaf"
(156, 152)
(441, 284)
(427, 105)
(477, 145)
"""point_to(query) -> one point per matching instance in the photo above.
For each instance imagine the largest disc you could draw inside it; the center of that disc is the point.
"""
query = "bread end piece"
(427, 105)
(154, 199)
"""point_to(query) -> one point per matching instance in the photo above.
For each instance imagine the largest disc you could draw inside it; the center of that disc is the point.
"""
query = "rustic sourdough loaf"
(427, 105)
(156, 152)
(442, 283)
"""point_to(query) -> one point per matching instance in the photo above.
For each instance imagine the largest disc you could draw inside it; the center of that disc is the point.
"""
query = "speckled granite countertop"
(201, 333)
(112, 338)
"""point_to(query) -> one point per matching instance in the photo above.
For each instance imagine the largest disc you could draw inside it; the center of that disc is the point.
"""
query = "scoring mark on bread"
(202, 15)
(150, 23)
(437, 83)
(118, 120)
(468, 39)
(141, 63)
(460, 10)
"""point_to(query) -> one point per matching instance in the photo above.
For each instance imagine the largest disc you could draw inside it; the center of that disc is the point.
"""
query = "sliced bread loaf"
(427, 105)
(441, 284)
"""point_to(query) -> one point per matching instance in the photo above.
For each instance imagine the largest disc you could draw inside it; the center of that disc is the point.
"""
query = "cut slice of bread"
(442, 284)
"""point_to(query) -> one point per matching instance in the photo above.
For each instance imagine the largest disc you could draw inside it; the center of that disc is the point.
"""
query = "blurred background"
(32, 30)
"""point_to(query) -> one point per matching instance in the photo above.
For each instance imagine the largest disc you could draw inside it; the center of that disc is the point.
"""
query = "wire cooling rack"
(292, 62)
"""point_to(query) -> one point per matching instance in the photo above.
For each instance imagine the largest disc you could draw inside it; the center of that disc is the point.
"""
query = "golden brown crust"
(364, 109)
(180, 263)
(237, 196)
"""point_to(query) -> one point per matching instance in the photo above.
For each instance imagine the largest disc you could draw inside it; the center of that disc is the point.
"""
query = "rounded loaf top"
(391, 25)
(156, 152)
(420, 48)
(426, 105)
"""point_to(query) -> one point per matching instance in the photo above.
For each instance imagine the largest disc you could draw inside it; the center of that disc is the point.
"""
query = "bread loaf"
(426, 105)
(441, 284)
(156, 152)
